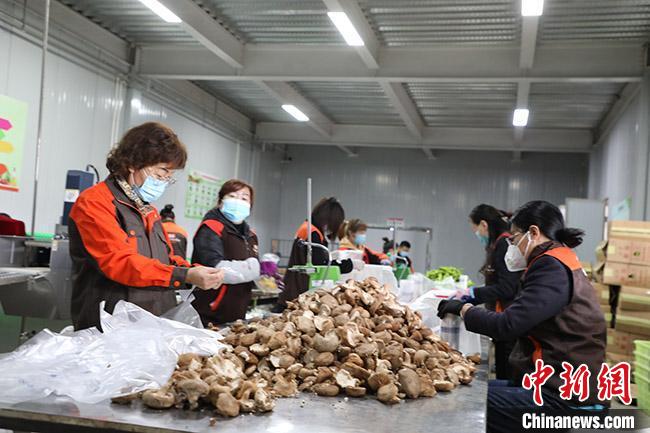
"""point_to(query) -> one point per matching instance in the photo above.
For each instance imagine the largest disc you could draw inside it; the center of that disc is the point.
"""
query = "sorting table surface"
(460, 410)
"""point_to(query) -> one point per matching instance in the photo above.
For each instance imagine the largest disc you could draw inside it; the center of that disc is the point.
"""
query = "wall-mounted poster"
(201, 195)
(13, 117)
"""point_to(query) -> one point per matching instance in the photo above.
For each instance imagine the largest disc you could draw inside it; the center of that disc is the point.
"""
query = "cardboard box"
(634, 299)
(610, 336)
(600, 288)
(621, 274)
(614, 358)
(633, 251)
(634, 322)
(623, 342)
(628, 229)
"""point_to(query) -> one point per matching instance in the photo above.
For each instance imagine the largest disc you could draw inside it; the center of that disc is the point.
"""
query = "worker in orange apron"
(555, 318)
(177, 234)
(326, 217)
(490, 226)
(353, 236)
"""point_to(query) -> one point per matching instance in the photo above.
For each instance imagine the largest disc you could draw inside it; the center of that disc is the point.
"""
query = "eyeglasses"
(163, 177)
(511, 239)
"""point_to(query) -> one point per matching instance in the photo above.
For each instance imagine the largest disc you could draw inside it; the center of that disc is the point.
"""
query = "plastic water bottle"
(450, 324)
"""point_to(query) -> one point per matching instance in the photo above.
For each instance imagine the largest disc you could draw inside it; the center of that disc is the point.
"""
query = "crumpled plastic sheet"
(239, 271)
(136, 351)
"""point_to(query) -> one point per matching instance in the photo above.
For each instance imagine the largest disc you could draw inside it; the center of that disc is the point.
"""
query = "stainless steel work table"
(462, 410)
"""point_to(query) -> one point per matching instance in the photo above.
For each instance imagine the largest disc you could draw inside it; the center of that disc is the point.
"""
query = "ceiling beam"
(529, 27)
(629, 92)
(431, 156)
(614, 62)
(285, 94)
(207, 31)
(459, 138)
(349, 152)
(405, 106)
(369, 51)
(90, 32)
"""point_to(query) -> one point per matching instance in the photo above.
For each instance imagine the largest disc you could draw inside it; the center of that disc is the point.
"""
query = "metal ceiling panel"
(465, 104)
(131, 20)
(415, 22)
(275, 21)
(582, 20)
(570, 105)
(249, 98)
(351, 103)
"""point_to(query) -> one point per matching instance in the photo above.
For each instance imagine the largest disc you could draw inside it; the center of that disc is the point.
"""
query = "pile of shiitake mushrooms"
(353, 340)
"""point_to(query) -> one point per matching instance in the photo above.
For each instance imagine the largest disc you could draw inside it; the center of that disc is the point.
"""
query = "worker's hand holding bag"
(240, 271)
(204, 277)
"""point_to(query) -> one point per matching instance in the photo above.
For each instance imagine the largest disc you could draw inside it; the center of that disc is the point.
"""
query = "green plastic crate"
(642, 373)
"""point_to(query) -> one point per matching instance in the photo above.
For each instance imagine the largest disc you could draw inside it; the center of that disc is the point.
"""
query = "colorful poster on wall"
(13, 118)
(201, 195)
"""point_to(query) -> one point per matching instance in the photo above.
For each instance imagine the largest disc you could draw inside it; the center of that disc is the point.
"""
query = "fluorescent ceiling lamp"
(297, 114)
(161, 10)
(345, 27)
(532, 8)
(520, 117)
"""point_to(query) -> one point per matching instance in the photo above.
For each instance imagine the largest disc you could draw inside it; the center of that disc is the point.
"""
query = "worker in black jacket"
(225, 235)
(555, 318)
(326, 217)
(491, 228)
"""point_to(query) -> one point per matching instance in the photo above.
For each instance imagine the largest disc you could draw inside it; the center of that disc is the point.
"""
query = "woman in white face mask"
(555, 318)
(224, 239)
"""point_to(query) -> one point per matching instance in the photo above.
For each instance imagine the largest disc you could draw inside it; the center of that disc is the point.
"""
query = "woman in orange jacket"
(118, 246)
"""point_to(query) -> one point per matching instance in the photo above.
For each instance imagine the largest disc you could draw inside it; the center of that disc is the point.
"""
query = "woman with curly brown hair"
(118, 246)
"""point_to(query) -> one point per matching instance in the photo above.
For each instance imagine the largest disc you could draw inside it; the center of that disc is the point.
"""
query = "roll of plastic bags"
(240, 271)
(136, 351)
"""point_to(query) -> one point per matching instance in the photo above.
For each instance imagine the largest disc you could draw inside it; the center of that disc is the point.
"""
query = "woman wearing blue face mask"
(118, 246)
(354, 235)
(404, 251)
(490, 226)
(224, 235)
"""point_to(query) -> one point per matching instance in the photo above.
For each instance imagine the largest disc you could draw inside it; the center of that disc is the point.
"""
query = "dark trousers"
(502, 351)
(507, 403)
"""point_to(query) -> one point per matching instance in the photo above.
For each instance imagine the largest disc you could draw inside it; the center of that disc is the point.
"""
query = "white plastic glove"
(240, 271)
(358, 265)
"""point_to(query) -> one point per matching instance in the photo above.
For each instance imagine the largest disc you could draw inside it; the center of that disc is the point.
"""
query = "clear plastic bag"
(136, 351)
(240, 271)
(184, 312)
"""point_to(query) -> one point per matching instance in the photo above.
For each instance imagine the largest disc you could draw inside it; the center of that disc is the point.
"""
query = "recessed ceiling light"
(346, 28)
(295, 112)
(161, 10)
(532, 8)
(520, 117)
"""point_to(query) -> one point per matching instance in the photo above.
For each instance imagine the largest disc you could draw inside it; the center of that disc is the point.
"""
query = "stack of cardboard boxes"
(626, 277)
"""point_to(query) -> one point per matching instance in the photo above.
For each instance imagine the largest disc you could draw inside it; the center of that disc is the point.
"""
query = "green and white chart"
(201, 195)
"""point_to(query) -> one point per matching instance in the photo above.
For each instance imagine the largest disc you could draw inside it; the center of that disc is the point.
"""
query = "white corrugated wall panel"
(613, 167)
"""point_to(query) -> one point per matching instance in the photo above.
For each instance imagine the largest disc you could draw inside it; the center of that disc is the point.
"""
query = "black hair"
(549, 219)
(406, 244)
(497, 220)
(388, 245)
(328, 212)
(167, 213)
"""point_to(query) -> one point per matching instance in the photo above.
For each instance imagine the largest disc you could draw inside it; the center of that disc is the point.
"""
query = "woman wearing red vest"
(353, 237)
(555, 318)
(326, 218)
(225, 235)
(491, 228)
(177, 234)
